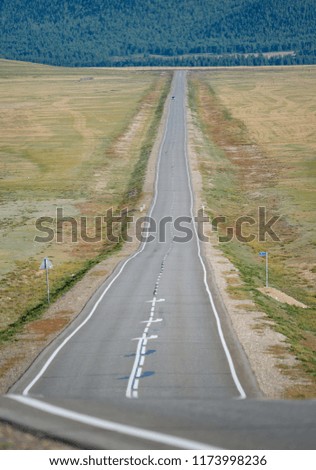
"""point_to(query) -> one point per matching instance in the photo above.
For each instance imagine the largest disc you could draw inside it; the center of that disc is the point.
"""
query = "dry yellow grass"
(270, 118)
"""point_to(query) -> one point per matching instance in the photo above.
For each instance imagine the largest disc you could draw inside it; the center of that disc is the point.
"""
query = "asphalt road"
(152, 362)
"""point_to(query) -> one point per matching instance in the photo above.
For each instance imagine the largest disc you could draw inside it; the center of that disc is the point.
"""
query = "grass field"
(259, 151)
(69, 138)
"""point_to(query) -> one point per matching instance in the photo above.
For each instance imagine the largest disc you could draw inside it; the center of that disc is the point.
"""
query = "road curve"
(151, 361)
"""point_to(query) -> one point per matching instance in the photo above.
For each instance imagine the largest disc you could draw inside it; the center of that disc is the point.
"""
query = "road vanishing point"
(152, 361)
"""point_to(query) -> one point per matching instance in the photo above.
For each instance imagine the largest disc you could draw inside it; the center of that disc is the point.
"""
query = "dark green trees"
(158, 32)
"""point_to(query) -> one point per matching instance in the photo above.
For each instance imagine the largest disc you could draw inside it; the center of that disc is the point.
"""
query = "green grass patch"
(59, 286)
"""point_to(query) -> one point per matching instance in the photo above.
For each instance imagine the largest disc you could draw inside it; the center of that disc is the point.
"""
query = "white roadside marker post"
(46, 264)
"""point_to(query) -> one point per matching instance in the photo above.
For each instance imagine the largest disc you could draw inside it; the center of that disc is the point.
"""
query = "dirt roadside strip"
(253, 328)
(281, 296)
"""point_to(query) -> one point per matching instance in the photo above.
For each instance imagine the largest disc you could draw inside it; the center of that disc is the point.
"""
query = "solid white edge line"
(131, 431)
(218, 322)
(60, 347)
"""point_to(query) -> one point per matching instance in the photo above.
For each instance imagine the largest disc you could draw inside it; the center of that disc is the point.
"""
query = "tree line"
(159, 32)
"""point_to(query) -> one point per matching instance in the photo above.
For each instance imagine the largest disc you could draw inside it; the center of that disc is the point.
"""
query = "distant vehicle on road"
(173, 97)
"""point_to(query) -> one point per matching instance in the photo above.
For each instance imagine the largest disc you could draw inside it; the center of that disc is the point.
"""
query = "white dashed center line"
(140, 356)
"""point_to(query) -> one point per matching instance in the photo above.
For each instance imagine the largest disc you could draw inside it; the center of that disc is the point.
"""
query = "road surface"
(151, 362)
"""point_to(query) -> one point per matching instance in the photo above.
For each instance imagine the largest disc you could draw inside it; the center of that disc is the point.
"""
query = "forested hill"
(158, 32)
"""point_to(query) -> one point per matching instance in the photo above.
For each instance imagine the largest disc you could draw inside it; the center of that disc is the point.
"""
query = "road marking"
(125, 429)
(218, 322)
(133, 381)
(139, 361)
(131, 391)
(145, 338)
(142, 360)
(152, 321)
